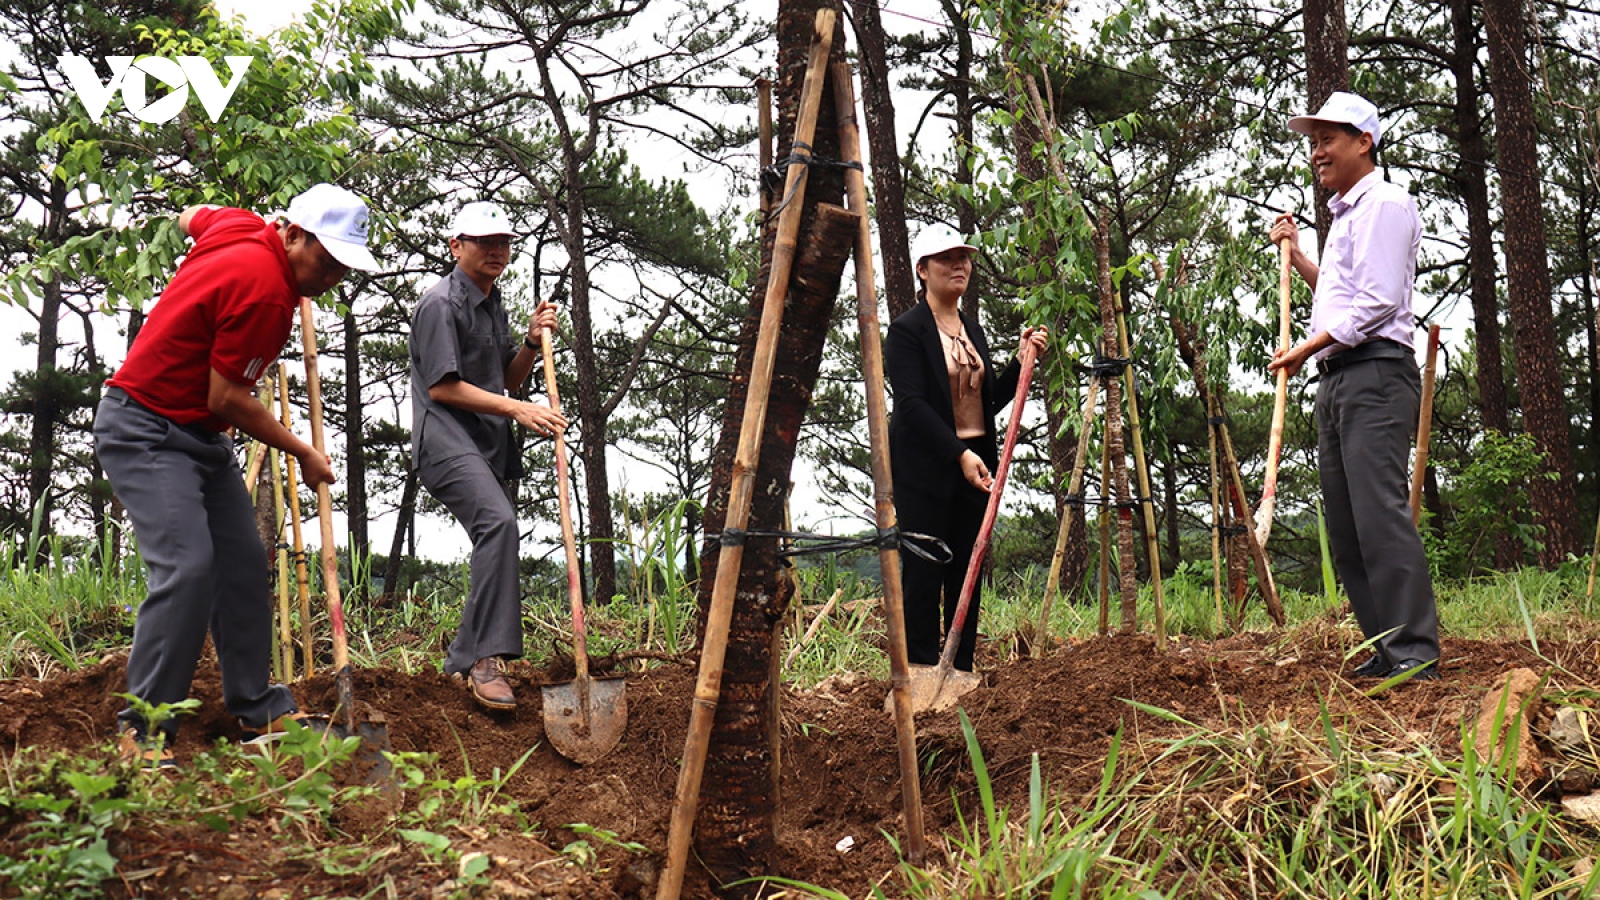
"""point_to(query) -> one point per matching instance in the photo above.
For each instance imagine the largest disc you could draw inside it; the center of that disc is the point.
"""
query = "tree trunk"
(1472, 180)
(1026, 136)
(355, 455)
(405, 517)
(1116, 445)
(888, 181)
(47, 383)
(1544, 410)
(1327, 70)
(735, 828)
(960, 88)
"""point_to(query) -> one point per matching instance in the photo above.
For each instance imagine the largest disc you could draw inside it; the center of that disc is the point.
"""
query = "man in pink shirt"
(1369, 393)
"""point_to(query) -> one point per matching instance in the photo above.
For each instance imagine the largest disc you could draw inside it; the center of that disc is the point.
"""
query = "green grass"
(1315, 807)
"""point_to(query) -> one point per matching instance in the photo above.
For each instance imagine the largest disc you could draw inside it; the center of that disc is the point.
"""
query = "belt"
(1380, 348)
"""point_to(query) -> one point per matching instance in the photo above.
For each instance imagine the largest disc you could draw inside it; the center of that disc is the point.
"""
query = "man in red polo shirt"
(161, 435)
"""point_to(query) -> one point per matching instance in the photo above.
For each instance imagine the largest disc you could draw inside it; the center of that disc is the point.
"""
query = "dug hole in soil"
(840, 775)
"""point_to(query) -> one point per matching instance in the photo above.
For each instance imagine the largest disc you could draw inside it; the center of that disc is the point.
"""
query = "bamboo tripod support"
(1146, 502)
(708, 685)
(1229, 463)
(1074, 489)
(1216, 515)
(302, 573)
(882, 480)
(285, 635)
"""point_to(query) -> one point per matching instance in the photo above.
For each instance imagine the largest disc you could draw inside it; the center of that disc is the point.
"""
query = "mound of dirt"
(840, 777)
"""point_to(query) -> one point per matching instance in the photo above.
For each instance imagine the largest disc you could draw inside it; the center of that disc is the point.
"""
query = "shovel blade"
(584, 732)
(372, 759)
(938, 688)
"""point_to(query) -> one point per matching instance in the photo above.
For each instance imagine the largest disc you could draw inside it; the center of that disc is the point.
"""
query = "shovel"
(940, 687)
(585, 717)
(374, 733)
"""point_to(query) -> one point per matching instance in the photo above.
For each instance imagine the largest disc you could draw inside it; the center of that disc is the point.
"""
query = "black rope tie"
(923, 546)
(774, 176)
(1230, 530)
(1103, 366)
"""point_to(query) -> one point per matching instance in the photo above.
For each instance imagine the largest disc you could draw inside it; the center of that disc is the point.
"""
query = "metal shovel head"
(371, 761)
(585, 721)
(938, 688)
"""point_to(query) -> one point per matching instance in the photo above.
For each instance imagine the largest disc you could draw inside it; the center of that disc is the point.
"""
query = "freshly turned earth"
(840, 776)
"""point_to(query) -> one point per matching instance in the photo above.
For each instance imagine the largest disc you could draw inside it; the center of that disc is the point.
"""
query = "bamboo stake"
(1269, 589)
(1141, 467)
(1280, 403)
(1074, 489)
(1216, 517)
(764, 121)
(708, 686)
(882, 479)
(258, 450)
(302, 573)
(816, 626)
(285, 636)
(1424, 425)
(1105, 533)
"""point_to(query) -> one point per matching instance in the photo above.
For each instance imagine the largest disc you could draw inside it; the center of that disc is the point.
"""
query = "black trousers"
(931, 590)
(1365, 415)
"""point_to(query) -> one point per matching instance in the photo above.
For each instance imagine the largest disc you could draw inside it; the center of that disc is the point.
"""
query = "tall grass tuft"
(71, 608)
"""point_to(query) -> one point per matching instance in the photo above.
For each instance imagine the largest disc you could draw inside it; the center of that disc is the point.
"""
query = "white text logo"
(130, 76)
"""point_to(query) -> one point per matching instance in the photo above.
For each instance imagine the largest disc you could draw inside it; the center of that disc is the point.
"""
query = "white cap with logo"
(339, 220)
(480, 218)
(1343, 108)
(934, 240)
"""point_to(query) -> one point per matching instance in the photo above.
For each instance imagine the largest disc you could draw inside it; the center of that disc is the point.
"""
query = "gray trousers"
(491, 622)
(1365, 415)
(205, 567)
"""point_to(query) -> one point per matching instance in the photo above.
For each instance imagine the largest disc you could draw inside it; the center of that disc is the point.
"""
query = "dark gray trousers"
(205, 567)
(1365, 415)
(491, 622)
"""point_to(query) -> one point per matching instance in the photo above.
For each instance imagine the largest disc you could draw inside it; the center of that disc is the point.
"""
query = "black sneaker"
(145, 753)
(1374, 667)
(1415, 670)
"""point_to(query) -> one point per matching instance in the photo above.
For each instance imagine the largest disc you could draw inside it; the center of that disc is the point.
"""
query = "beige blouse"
(965, 369)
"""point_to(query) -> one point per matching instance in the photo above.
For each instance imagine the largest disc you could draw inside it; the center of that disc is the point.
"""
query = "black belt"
(1380, 348)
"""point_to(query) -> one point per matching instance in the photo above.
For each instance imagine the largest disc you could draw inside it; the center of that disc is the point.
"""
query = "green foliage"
(1483, 494)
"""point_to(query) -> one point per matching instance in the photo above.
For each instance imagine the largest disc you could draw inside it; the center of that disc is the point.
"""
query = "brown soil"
(840, 777)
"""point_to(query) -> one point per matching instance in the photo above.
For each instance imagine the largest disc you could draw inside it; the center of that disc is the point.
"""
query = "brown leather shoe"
(146, 753)
(489, 686)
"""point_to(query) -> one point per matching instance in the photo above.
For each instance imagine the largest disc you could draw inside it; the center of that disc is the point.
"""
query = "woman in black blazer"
(942, 436)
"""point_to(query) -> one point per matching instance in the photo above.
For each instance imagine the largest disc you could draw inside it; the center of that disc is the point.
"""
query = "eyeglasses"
(499, 242)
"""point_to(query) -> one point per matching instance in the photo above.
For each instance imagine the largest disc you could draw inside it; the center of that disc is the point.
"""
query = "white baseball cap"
(1343, 108)
(934, 240)
(480, 218)
(339, 220)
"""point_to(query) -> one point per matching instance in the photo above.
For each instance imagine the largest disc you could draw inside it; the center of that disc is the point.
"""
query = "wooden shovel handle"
(330, 553)
(580, 648)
